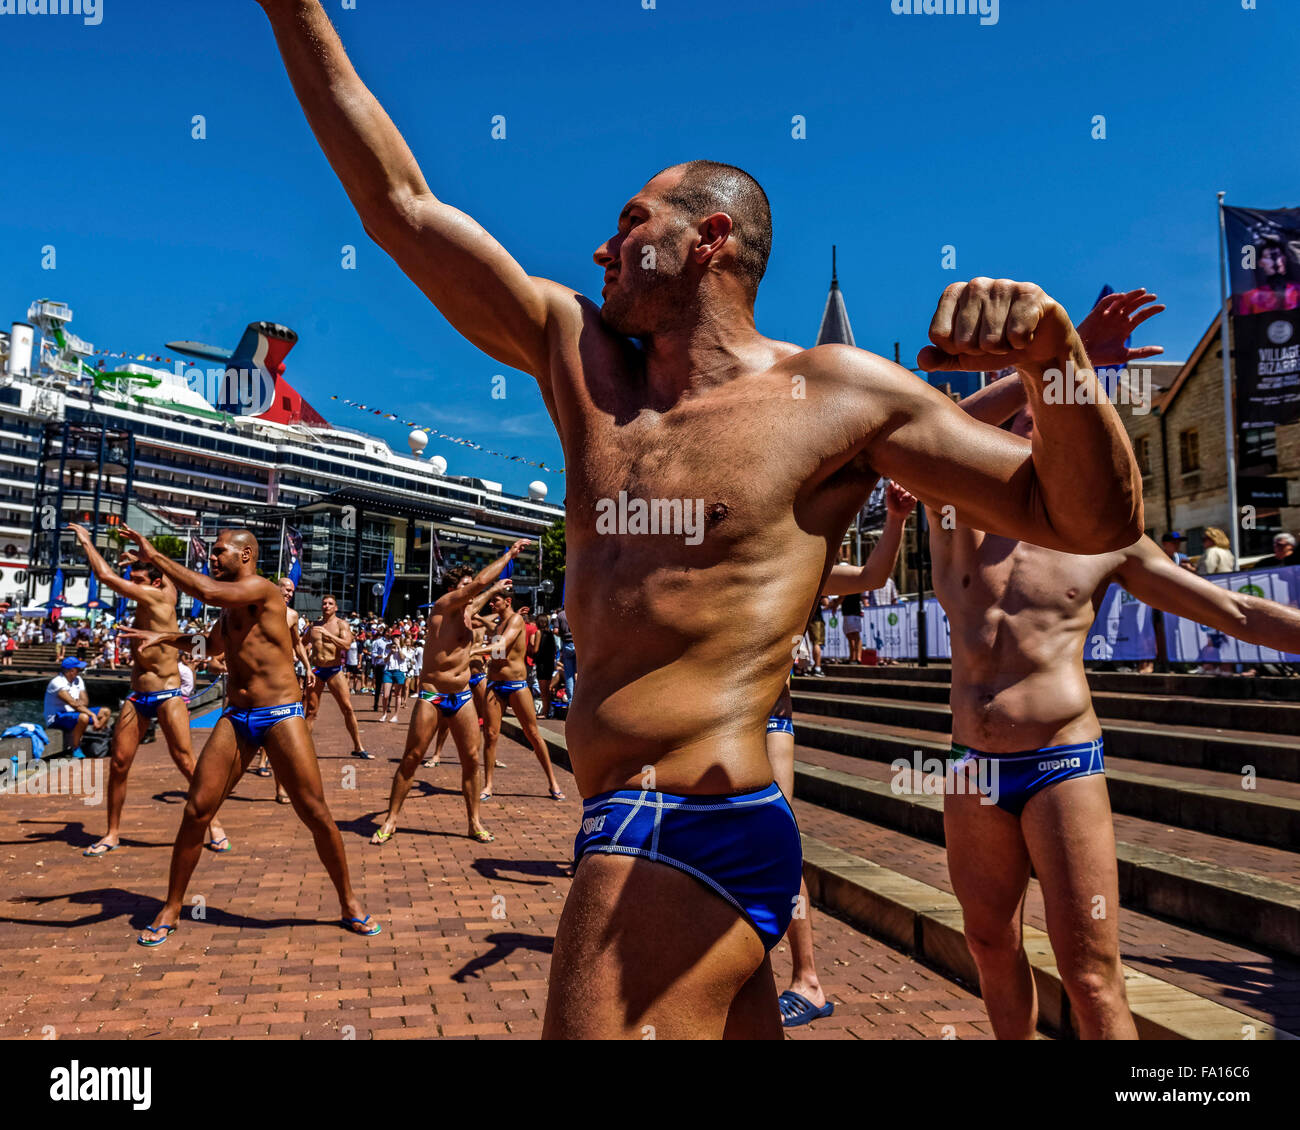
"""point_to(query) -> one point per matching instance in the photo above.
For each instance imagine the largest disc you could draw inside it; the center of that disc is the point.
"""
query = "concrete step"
(926, 921)
(1260, 911)
(1172, 710)
(1270, 755)
(1265, 687)
(1268, 814)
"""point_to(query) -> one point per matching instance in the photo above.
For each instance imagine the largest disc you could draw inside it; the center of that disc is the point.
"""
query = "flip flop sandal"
(91, 853)
(797, 1009)
(350, 922)
(483, 837)
(383, 837)
(485, 796)
(265, 771)
(211, 845)
(142, 940)
(363, 754)
(556, 794)
(284, 800)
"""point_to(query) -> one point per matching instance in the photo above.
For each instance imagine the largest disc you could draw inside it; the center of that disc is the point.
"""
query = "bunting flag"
(460, 440)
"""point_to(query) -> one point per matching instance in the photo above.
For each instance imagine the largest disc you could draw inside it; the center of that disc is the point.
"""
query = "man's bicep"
(473, 281)
(945, 458)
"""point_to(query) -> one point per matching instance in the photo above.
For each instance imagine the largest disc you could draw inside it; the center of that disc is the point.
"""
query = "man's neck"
(715, 348)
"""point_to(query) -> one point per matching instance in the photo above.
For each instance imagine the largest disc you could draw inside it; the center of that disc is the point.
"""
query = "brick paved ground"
(269, 961)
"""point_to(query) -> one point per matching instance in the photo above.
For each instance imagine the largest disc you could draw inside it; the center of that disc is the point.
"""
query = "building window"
(1189, 451)
(1142, 450)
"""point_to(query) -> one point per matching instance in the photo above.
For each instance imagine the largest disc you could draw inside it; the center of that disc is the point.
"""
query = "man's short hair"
(329, 596)
(146, 569)
(710, 186)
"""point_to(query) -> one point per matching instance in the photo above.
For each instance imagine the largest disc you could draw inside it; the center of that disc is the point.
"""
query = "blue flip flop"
(141, 940)
(361, 922)
(797, 1009)
(91, 853)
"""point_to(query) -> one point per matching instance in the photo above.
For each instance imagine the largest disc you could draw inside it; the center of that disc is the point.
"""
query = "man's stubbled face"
(644, 264)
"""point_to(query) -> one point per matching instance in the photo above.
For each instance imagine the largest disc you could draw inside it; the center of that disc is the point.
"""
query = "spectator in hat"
(1172, 544)
(67, 705)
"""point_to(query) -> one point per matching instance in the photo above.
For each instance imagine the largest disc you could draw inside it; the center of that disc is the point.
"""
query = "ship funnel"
(20, 350)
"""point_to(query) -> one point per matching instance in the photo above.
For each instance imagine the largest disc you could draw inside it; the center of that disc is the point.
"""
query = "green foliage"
(169, 546)
(553, 558)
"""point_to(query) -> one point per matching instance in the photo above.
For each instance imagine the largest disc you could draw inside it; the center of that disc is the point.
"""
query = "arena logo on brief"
(987, 10)
(677, 517)
(592, 824)
(1060, 763)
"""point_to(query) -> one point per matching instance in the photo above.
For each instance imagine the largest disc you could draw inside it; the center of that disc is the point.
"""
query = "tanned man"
(667, 395)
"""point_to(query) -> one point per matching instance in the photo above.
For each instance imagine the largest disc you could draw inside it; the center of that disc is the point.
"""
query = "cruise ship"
(143, 444)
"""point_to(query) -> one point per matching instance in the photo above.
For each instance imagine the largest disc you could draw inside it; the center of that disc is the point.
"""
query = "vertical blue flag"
(293, 549)
(390, 574)
(196, 609)
(56, 600)
(92, 592)
(509, 570)
(119, 609)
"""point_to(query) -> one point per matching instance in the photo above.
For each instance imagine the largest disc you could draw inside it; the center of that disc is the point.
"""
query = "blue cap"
(1173, 535)
(70, 664)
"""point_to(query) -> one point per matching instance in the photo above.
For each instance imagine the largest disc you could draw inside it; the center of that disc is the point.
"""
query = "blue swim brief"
(449, 704)
(252, 725)
(743, 846)
(780, 724)
(146, 705)
(325, 674)
(474, 680)
(1015, 777)
(503, 690)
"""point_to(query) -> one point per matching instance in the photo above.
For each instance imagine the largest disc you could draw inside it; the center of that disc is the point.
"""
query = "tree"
(553, 553)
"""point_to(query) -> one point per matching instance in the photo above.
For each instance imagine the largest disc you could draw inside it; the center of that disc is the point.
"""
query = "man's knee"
(1093, 986)
(993, 941)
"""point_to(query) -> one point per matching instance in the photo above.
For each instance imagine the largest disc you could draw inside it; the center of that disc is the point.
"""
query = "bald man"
(689, 573)
(264, 709)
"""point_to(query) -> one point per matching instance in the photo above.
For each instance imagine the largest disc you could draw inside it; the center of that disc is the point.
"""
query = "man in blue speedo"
(265, 709)
(445, 698)
(1019, 617)
(155, 690)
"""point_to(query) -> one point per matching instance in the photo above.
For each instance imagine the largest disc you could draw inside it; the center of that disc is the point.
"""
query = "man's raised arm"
(1073, 487)
(127, 588)
(221, 594)
(485, 579)
(845, 580)
(470, 277)
(1150, 575)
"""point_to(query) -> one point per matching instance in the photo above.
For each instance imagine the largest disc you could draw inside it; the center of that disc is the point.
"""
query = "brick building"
(1179, 445)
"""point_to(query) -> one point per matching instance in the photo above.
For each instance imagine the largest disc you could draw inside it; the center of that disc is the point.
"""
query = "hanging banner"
(1264, 263)
(1186, 641)
(1123, 630)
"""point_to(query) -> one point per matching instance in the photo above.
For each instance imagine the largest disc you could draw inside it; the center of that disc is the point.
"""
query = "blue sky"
(921, 131)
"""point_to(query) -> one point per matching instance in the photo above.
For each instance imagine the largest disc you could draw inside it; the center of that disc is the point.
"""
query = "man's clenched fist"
(994, 324)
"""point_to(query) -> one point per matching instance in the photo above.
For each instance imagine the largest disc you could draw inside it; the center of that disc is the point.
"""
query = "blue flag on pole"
(390, 574)
(196, 609)
(92, 592)
(293, 549)
(119, 609)
(509, 570)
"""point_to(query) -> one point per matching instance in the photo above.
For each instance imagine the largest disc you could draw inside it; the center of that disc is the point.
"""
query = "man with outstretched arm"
(668, 394)
(328, 640)
(507, 685)
(444, 695)
(155, 688)
(264, 709)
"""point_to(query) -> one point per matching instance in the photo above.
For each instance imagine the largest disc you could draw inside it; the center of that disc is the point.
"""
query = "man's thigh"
(338, 686)
(293, 757)
(988, 864)
(645, 951)
(174, 721)
(425, 720)
(464, 731)
(1071, 840)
